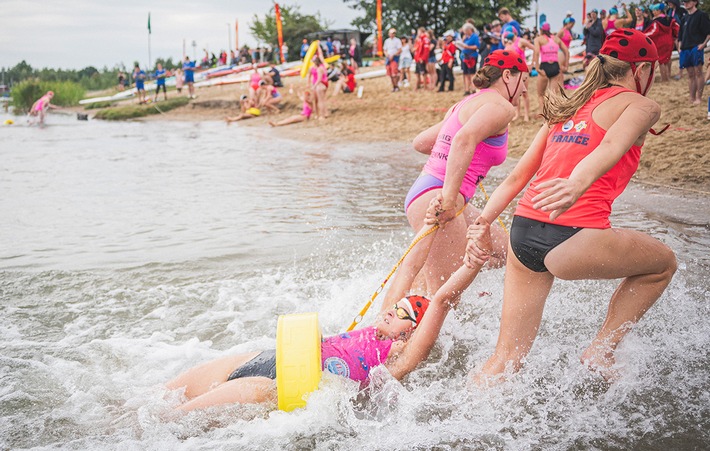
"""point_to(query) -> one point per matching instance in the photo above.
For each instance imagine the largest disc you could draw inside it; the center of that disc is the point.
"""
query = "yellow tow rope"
(483, 190)
(367, 306)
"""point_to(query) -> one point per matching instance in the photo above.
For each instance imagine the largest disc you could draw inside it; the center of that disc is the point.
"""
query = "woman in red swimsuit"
(582, 159)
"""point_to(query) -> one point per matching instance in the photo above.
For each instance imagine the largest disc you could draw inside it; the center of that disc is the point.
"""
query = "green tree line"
(439, 15)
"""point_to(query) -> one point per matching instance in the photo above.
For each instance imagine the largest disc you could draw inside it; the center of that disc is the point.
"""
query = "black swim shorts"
(532, 240)
(551, 69)
(263, 365)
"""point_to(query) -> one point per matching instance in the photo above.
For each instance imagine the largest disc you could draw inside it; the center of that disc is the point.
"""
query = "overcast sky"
(78, 33)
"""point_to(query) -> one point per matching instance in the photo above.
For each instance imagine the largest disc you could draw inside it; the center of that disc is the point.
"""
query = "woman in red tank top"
(582, 159)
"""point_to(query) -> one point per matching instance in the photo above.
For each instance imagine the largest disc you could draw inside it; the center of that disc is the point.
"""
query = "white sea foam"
(91, 333)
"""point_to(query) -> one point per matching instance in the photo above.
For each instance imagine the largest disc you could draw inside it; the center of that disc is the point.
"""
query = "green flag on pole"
(149, 31)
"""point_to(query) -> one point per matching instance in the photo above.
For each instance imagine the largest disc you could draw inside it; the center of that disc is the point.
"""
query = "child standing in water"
(40, 107)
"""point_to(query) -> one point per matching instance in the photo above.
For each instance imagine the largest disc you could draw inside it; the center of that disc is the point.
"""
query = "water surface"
(132, 251)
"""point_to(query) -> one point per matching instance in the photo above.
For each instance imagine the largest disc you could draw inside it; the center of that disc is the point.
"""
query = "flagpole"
(150, 60)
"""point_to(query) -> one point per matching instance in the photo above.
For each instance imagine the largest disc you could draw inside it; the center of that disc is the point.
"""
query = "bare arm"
(524, 43)
(565, 51)
(536, 53)
(418, 347)
(488, 120)
(425, 140)
(408, 270)
(558, 195)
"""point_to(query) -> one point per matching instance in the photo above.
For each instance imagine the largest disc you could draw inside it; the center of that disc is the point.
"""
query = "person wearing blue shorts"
(160, 75)
(139, 77)
(189, 68)
(694, 37)
(469, 56)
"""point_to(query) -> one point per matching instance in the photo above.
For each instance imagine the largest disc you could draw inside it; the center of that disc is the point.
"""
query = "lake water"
(130, 252)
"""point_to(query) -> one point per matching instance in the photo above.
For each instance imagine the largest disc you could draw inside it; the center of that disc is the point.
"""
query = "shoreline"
(676, 159)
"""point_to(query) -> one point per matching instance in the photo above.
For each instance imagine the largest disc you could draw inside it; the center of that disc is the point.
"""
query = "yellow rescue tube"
(298, 359)
(254, 111)
(309, 56)
(9, 122)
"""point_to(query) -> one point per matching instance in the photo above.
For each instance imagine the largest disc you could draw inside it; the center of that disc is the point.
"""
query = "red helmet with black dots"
(633, 47)
(630, 45)
(505, 59)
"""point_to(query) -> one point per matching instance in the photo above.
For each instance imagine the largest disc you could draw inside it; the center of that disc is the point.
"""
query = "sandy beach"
(677, 159)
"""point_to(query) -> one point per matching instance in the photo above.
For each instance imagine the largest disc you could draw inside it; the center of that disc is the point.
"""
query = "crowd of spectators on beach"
(423, 60)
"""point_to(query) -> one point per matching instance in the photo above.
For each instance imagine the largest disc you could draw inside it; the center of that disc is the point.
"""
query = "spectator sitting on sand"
(248, 108)
(346, 83)
(268, 97)
(303, 116)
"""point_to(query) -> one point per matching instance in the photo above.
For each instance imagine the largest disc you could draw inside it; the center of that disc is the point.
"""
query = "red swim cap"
(504, 59)
(416, 307)
(631, 46)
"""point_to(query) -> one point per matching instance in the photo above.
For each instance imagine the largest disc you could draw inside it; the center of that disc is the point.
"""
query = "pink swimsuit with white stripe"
(353, 354)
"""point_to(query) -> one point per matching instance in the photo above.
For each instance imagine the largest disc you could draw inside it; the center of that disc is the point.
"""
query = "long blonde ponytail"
(601, 72)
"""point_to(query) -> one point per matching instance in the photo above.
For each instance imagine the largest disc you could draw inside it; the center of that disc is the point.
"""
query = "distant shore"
(679, 158)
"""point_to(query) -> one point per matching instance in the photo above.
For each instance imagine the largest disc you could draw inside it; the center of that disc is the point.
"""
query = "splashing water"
(131, 252)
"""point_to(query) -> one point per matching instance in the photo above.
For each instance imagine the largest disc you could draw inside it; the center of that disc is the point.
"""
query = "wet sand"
(677, 159)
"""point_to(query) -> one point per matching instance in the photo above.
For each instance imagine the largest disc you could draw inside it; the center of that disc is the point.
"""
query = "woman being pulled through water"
(400, 339)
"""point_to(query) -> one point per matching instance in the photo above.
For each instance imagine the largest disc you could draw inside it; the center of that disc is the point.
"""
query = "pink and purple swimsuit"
(490, 152)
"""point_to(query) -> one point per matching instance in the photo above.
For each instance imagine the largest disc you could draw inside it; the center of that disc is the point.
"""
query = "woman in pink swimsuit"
(565, 34)
(319, 85)
(250, 378)
(254, 83)
(547, 48)
(462, 148)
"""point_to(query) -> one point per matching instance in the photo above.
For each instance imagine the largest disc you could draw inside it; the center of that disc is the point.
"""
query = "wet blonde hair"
(488, 75)
(602, 71)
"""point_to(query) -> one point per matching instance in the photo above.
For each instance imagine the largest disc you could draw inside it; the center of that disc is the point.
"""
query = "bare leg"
(203, 378)
(692, 85)
(289, 120)
(647, 266)
(542, 82)
(246, 390)
(322, 106)
(338, 87)
(699, 83)
(524, 296)
(432, 75)
(238, 118)
(665, 72)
